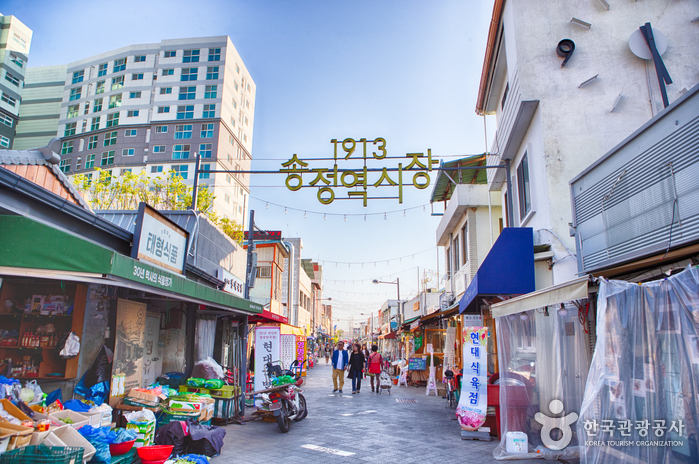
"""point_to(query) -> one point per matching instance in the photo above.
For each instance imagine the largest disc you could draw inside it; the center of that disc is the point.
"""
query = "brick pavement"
(374, 427)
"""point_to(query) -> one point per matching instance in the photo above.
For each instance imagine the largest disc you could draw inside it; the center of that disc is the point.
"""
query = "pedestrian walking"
(340, 362)
(328, 352)
(375, 361)
(365, 352)
(356, 368)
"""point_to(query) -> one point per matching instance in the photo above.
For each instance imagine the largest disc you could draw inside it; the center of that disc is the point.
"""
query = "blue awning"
(507, 270)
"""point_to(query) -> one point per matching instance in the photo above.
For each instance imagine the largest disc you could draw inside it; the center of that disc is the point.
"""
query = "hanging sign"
(301, 352)
(473, 403)
(356, 176)
(267, 349)
(158, 240)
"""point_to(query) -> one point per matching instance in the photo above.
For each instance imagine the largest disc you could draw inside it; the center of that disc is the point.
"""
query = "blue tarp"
(507, 270)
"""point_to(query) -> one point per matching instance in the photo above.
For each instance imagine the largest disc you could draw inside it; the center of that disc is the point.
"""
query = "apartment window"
(14, 80)
(4, 141)
(65, 165)
(168, 72)
(209, 111)
(8, 99)
(450, 271)
(246, 120)
(110, 138)
(457, 253)
(135, 95)
(188, 93)
(117, 83)
(102, 70)
(205, 150)
(125, 170)
(504, 96)
(210, 91)
(205, 175)
(115, 101)
(214, 54)
(212, 72)
(235, 104)
(232, 121)
(464, 238)
(183, 131)
(92, 142)
(180, 152)
(132, 113)
(161, 129)
(165, 90)
(137, 76)
(119, 65)
(163, 109)
(107, 158)
(181, 170)
(245, 137)
(265, 271)
(70, 129)
(159, 149)
(89, 161)
(207, 131)
(67, 147)
(87, 108)
(156, 169)
(247, 104)
(524, 193)
(226, 198)
(189, 74)
(16, 60)
(73, 111)
(78, 163)
(130, 132)
(185, 112)
(237, 69)
(139, 58)
(98, 106)
(95, 123)
(127, 152)
(8, 121)
(113, 120)
(78, 76)
(190, 56)
(170, 53)
(99, 88)
(228, 178)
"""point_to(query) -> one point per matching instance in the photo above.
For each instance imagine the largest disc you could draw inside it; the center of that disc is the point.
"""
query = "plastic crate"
(43, 455)
(227, 391)
(186, 389)
(127, 458)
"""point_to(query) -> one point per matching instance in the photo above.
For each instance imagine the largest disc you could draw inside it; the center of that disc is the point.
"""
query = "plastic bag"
(123, 435)
(207, 369)
(195, 382)
(72, 346)
(76, 405)
(144, 415)
(214, 384)
(100, 438)
(94, 384)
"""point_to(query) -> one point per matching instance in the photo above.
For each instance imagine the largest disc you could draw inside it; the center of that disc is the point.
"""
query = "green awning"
(411, 320)
(444, 187)
(28, 244)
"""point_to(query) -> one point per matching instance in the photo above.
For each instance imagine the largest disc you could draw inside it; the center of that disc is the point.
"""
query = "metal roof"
(126, 219)
(444, 185)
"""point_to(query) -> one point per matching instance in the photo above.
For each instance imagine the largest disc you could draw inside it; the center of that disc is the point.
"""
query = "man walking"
(340, 361)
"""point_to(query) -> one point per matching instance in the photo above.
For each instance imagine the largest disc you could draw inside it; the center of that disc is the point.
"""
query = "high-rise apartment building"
(15, 41)
(153, 107)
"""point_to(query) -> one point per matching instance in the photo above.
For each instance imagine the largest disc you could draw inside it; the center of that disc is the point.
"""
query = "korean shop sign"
(159, 241)
(473, 404)
(362, 168)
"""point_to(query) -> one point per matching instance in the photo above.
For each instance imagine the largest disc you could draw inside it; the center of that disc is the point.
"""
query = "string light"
(365, 218)
(284, 210)
(384, 216)
(305, 215)
(345, 218)
(324, 217)
(290, 208)
(403, 213)
(267, 205)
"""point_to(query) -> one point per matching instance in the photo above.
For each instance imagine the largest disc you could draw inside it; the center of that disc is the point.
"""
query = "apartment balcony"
(464, 197)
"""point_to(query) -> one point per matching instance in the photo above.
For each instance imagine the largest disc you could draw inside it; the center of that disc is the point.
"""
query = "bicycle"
(451, 382)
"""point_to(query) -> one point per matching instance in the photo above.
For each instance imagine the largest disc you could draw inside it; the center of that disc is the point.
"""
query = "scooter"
(285, 402)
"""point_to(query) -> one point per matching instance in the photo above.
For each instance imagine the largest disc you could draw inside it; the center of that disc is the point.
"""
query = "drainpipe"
(290, 281)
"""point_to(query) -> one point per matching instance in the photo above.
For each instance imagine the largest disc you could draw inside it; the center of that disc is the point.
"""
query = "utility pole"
(195, 189)
(248, 278)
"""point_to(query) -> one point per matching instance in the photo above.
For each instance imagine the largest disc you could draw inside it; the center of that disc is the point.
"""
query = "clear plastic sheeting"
(641, 397)
(206, 333)
(543, 356)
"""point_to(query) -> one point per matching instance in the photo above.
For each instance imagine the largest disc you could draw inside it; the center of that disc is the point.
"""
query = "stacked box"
(20, 436)
(207, 409)
(145, 432)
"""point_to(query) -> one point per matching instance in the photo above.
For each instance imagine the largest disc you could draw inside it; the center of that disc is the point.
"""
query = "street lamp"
(397, 284)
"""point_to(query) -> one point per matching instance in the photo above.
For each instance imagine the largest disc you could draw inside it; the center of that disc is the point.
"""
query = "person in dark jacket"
(356, 368)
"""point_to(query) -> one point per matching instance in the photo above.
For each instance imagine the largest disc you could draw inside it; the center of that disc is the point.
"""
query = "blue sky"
(407, 71)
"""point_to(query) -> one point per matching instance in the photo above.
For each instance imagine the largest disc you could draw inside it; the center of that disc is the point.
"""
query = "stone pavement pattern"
(376, 428)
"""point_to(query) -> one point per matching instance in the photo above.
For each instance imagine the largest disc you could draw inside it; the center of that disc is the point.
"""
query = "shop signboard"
(473, 403)
(232, 284)
(417, 364)
(267, 349)
(414, 325)
(301, 352)
(158, 240)
(288, 349)
(472, 320)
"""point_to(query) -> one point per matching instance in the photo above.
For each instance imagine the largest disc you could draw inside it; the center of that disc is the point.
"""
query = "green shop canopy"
(30, 248)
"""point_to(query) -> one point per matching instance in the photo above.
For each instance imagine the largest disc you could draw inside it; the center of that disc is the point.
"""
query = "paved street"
(375, 428)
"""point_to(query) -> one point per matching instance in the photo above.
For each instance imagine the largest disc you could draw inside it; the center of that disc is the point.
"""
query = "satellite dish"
(639, 47)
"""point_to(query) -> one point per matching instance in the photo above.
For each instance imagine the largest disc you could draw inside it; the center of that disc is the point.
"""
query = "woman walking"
(356, 367)
(374, 362)
(327, 353)
(365, 352)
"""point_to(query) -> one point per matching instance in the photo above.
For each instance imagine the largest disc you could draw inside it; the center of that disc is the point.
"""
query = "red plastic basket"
(117, 449)
(157, 453)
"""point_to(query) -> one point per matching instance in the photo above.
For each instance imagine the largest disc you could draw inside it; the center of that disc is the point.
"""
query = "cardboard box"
(19, 435)
(207, 409)
(78, 419)
(145, 432)
(13, 410)
(184, 406)
(47, 438)
(72, 437)
(145, 396)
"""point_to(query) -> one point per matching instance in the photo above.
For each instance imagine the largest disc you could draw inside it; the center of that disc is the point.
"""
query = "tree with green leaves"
(164, 192)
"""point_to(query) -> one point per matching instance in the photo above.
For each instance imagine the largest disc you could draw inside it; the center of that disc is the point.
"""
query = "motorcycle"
(284, 402)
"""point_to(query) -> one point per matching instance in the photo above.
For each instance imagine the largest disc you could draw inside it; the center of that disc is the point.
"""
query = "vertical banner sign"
(301, 352)
(288, 350)
(267, 349)
(473, 402)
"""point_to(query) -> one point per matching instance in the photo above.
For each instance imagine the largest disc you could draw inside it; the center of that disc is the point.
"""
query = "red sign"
(268, 316)
(265, 235)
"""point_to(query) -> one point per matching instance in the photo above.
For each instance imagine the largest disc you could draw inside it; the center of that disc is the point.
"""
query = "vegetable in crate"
(196, 382)
(283, 380)
(67, 420)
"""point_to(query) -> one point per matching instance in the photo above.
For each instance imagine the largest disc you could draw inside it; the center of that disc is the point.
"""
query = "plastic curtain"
(206, 333)
(644, 376)
(542, 357)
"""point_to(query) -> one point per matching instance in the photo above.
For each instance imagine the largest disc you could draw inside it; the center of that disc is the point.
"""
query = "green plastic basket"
(43, 455)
